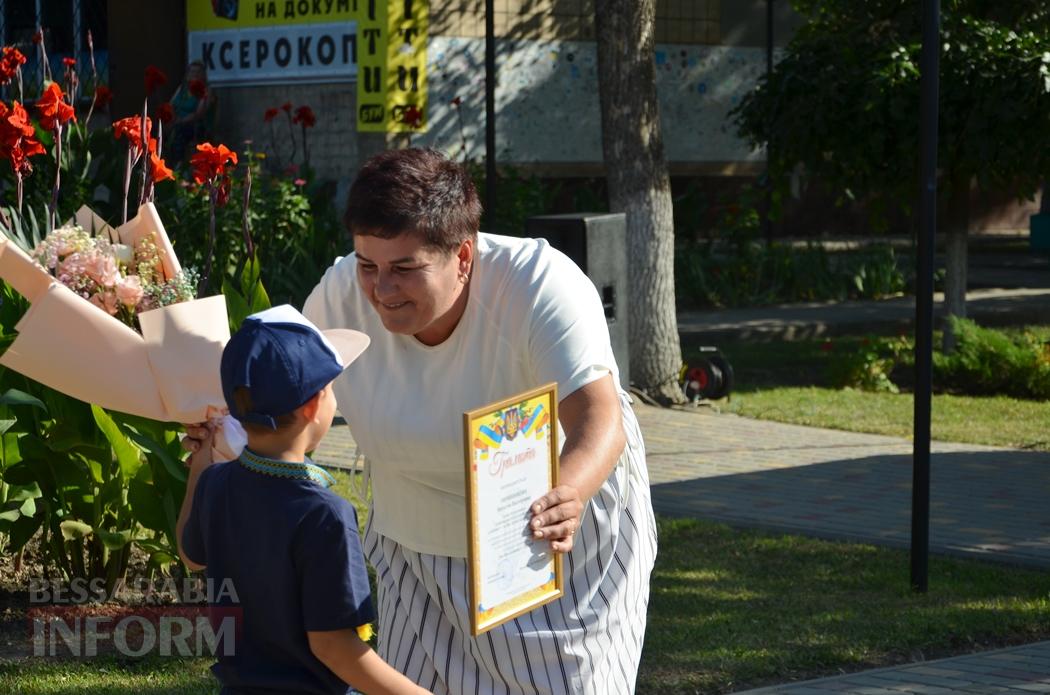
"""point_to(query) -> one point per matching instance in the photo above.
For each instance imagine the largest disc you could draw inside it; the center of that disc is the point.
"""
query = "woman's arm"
(594, 440)
(343, 652)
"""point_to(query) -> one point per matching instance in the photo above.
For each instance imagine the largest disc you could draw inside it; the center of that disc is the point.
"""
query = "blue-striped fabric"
(589, 641)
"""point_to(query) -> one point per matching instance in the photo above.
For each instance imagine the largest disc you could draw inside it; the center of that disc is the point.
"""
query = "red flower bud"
(304, 115)
(154, 78)
(165, 113)
(103, 95)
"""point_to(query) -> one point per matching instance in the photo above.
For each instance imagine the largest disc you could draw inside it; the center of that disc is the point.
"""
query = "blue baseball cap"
(283, 360)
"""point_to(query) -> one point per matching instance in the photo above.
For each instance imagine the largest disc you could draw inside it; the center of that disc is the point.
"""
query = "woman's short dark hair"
(417, 190)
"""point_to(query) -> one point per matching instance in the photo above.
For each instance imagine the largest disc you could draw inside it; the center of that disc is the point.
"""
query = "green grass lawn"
(728, 609)
(787, 382)
(732, 609)
(107, 676)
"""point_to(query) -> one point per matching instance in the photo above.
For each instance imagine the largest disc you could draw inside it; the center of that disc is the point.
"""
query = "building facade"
(709, 53)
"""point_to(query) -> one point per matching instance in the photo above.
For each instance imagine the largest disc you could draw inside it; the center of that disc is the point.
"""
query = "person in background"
(194, 107)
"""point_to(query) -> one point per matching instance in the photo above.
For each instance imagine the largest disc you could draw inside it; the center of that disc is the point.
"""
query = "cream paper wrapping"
(169, 373)
(22, 272)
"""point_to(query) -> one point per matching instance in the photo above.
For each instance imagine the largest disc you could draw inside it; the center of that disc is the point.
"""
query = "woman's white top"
(533, 317)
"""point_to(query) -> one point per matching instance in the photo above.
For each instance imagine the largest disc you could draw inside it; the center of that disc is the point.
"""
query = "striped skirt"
(589, 641)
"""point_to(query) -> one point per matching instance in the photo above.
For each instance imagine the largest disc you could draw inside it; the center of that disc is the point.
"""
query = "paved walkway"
(1006, 288)
(985, 501)
(1018, 670)
(808, 320)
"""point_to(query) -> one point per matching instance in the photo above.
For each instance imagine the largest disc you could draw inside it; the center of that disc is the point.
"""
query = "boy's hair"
(416, 190)
(242, 398)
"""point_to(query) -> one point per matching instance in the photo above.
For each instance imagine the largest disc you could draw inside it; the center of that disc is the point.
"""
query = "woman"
(459, 319)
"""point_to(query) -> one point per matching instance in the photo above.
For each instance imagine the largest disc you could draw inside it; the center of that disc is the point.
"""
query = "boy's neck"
(279, 448)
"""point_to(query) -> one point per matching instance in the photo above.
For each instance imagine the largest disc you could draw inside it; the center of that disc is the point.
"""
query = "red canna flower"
(69, 62)
(15, 123)
(155, 77)
(198, 88)
(305, 116)
(17, 143)
(270, 115)
(54, 111)
(222, 193)
(11, 60)
(103, 95)
(158, 170)
(165, 113)
(131, 128)
(210, 162)
(286, 106)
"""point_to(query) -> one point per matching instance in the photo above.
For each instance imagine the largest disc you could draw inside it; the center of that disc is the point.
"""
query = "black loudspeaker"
(597, 242)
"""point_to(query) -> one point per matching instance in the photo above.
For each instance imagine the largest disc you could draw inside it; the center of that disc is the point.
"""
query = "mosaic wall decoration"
(547, 100)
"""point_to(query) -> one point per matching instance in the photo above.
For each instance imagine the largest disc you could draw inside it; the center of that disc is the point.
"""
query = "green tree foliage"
(844, 101)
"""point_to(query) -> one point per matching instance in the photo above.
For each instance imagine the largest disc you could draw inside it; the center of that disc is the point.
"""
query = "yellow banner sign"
(207, 15)
(392, 61)
(260, 41)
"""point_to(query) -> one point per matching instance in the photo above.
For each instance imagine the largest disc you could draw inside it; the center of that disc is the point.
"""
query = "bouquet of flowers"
(113, 321)
(120, 279)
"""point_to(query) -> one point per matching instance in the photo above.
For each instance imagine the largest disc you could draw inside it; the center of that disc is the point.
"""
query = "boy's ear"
(310, 408)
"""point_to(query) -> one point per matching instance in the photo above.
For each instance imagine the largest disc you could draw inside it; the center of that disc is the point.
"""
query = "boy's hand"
(198, 442)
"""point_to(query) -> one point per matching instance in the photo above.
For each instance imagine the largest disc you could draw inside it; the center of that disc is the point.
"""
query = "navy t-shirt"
(284, 557)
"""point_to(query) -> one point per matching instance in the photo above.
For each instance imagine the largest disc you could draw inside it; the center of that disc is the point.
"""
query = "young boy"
(266, 527)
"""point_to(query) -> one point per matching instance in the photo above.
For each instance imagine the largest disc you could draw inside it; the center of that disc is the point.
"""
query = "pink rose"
(72, 266)
(103, 269)
(129, 291)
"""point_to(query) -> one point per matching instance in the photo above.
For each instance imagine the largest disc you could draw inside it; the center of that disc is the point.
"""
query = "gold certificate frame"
(511, 452)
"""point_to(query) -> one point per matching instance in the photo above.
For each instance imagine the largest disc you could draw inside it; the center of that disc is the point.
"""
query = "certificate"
(512, 459)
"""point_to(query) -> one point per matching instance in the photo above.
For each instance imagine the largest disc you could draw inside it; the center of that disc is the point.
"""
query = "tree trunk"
(639, 186)
(958, 227)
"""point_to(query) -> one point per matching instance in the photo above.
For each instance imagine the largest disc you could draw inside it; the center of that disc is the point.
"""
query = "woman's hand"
(556, 516)
(198, 442)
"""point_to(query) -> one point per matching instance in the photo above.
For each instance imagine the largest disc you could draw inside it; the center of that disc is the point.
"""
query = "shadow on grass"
(734, 609)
